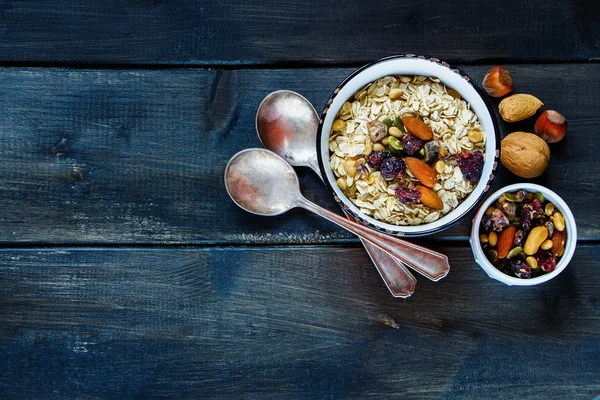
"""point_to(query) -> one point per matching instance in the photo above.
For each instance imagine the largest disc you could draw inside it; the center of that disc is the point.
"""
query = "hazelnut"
(498, 82)
(551, 126)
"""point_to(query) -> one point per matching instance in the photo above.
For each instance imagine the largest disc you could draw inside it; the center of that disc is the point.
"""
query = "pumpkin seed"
(514, 252)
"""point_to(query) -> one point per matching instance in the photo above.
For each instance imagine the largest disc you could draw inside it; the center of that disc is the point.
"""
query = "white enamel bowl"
(411, 65)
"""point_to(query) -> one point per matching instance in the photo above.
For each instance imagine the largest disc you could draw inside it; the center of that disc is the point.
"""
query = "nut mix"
(530, 234)
(406, 150)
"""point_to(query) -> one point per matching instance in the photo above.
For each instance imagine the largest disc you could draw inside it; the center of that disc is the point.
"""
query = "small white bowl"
(570, 244)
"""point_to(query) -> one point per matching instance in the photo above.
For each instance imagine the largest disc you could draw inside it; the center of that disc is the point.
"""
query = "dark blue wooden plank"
(137, 156)
(234, 32)
(289, 322)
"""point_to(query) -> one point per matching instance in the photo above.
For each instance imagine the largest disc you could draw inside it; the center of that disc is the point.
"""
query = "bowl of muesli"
(407, 145)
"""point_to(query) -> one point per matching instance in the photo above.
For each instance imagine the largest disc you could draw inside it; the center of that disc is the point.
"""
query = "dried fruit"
(520, 196)
(524, 154)
(550, 226)
(412, 145)
(510, 210)
(431, 150)
(423, 172)
(520, 269)
(392, 168)
(418, 128)
(498, 221)
(551, 126)
(506, 240)
(471, 165)
(430, 198)
(407, 196)
(559, 239)
(377, 157)
(546, 261)
(518, 107)
(526, 220)
(377, 130)
(535, 239)
(498, 82)
(520, 238)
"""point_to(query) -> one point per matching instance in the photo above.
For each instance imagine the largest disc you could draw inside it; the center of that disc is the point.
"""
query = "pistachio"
(492, 255)
(387, 122)
(540, 197)
(395, 146)
(510, 197)
(398, 123)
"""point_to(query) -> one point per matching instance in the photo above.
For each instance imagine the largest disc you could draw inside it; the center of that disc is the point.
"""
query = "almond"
(558, 242)
(430, 198)
(518, 107)
(506, 240)
(423, 172)
(417, 128)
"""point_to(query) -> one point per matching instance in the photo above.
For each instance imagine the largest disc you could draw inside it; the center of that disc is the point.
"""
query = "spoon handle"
(429, 263)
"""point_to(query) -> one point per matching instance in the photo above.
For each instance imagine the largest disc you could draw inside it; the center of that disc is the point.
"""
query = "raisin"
(471, 165)
(520, 238)
(377, 157)
(393, 167)
(412, 144)
(408, 196)
(520, 269)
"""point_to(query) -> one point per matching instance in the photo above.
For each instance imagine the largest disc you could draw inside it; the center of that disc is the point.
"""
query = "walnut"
(524, 154)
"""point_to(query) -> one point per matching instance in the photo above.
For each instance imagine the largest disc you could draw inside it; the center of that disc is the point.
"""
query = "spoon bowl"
(261, 182)
(287, 124)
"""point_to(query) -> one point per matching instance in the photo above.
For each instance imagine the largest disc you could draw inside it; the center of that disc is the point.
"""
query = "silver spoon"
(287, 123)
(262, 183)
(287, 115)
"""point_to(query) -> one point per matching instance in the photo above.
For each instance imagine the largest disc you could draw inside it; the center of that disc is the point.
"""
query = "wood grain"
(137, 156)
(242, 32)
(288, 322)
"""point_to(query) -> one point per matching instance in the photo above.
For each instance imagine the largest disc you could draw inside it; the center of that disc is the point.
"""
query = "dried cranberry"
(499, 220)
(412, 144)
(471, 165)
(392, 167)
(377, 157)
(520, 238)
(407, 195)
(546, 261)
(520, 269)
(537, 208)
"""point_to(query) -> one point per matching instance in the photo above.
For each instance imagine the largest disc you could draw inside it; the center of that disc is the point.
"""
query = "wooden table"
(126, 271)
